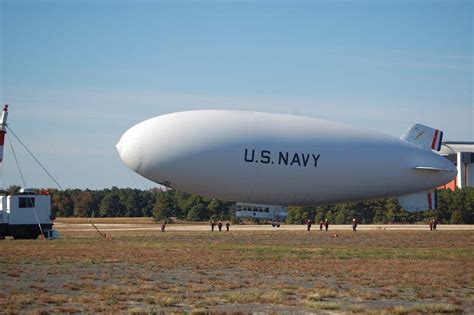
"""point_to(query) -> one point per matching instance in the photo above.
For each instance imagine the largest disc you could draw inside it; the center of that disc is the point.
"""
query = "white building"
(461, 153)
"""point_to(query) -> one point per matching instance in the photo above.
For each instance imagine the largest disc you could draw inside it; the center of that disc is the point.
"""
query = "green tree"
(319, 216)
(295, 215)
(109, 205)
(456, 217)
(198, 213)
(13, 189)
(165, 206)
(379, 216)
(468, 215)
(341, 218)
(218, 209)
(82, 203)
(147, 202)
(63, 204)
(131, 202)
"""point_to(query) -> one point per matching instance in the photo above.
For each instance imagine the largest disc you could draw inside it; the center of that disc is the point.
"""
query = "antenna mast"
(3, 130)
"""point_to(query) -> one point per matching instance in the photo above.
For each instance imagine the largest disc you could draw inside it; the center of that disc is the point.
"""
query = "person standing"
(326, 224)
(308, 224)
(213, 224)
(435, 223)
(219, 225)
(227, 226)
(321, 225)
(354, 224)
(431, 224)
(163, 226)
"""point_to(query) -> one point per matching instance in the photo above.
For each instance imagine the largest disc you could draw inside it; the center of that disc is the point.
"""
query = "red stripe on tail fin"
(2, 137)
(435, 137)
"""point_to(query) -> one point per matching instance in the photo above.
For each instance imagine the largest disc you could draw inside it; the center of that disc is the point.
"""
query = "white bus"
(276, 214)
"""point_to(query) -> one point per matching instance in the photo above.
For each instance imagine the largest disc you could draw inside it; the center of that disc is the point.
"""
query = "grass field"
(393, 272)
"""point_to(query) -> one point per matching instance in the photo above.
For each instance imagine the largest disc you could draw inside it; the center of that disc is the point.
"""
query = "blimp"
(266, 161)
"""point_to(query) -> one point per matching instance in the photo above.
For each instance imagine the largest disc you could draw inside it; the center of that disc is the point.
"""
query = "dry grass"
(138, 220)
(392, 272)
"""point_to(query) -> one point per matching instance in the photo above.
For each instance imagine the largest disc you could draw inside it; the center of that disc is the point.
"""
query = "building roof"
(453, 147)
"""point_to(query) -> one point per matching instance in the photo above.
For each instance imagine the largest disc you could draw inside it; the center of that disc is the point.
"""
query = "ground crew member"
(320, 225)
(219, 225)
(308, 223)
(354, 224)
(227, 226)
(326, 224)
(213, 224)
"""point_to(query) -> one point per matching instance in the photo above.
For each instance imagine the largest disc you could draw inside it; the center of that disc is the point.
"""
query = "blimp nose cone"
(118, 146)
(130, 148)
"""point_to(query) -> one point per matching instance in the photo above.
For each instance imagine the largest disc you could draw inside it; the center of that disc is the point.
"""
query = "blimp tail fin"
(421, 201)
(424, 136)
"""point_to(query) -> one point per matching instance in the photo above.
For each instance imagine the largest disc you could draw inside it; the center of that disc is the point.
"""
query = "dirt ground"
(258, 270)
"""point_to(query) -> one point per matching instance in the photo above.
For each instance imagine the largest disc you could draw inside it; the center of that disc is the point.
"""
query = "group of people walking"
(219, 225)
(213, 225)
(325, 224)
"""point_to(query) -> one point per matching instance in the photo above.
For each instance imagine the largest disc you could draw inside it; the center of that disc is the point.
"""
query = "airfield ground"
(249, 269)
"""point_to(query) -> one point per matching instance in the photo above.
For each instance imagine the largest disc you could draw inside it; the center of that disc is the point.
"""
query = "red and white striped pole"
(3, 130)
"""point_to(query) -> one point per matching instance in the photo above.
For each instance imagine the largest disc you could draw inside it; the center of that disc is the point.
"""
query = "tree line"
(456, 207)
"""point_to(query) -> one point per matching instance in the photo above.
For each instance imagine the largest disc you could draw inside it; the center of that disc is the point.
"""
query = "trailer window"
(26, 202)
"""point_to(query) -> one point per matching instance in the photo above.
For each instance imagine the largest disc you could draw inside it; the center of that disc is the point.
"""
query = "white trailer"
(26, 215)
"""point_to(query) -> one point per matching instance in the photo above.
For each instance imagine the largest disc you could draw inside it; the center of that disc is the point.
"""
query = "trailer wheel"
(34, 236)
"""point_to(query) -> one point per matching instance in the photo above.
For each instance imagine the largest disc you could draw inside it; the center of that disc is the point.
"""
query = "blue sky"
(77, 74)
